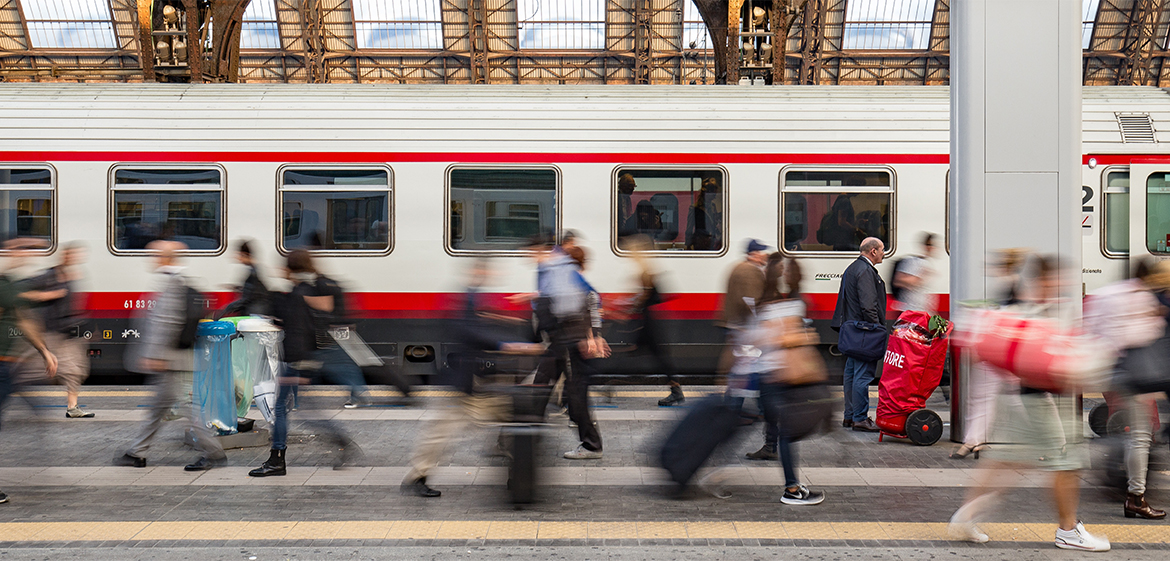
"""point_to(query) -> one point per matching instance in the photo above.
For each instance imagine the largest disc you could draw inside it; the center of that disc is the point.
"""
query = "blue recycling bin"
(213, 386)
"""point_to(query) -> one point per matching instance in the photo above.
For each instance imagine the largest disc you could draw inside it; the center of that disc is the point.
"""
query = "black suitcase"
(528, 408)
(710, 422)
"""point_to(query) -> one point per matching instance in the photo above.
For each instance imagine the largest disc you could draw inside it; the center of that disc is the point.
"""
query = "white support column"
(1015, 142)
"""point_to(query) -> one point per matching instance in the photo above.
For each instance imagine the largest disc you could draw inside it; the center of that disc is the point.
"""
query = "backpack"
(896, 292)
(195, 308)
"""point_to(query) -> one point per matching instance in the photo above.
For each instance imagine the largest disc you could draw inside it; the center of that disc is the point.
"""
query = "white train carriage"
(399, 185)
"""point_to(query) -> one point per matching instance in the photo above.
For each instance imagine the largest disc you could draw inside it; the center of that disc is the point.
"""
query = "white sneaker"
(963, 528)
(583, 453)
(1079, 538)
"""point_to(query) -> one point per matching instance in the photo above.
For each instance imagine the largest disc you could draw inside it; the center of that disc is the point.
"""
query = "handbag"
(862, 340)
(1146, 369)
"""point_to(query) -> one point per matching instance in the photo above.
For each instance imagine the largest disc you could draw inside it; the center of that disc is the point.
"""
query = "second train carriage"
(400, 185)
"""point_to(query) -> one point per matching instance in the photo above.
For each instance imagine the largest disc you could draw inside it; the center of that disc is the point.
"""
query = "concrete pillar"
(1015, 142)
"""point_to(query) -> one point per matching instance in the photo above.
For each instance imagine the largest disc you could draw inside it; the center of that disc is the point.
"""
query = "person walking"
(53, 293)
(475, 338)
(1129, 317)
(1038, 428)
(161, 355)
(304, 315)
(252, 297)
(862, 297)
(744, 287)
(14, 315)
(910, 279)
(649, 327)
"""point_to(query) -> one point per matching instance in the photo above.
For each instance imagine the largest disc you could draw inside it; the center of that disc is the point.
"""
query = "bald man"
(862, 297)
(157, 354)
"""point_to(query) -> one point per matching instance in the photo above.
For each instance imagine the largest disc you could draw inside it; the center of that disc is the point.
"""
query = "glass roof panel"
(69, 24)
(259, 30)
(887, 24)
(399, 24)
(561, 24)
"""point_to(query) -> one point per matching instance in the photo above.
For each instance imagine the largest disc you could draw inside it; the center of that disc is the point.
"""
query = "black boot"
(419, 487)
(766, 452)
(274, 465)
(675, 397)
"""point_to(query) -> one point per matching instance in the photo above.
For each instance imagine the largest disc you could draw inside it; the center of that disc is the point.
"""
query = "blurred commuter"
(165, 354)
(53, 294)
(1039, 430)
(650, 337)
(985, 382)
(744, 287)
(252, 296)
(333, 322)
(862, 298)
(304, 314)
(562, 307)
(910, 277)
(1127, 314)
(475, 337)
(783, 373)
(14, 315)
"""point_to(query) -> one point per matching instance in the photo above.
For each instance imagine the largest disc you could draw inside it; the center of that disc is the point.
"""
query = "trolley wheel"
(924, 427)
(1118, 424)
(1099, 419)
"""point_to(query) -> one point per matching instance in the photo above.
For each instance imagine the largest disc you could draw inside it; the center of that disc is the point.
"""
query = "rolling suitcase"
(711, 422)
(528, 408)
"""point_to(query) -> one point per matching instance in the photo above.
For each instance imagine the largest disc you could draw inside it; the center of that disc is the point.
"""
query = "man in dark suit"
(862, 298)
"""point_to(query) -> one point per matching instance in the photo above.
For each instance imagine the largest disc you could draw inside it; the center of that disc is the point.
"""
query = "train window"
(834, 210)
(677, 209)
(1157, 211)
(1115, 227)
(339, 210)
(185, 205)
(499, 209)
(26, 205)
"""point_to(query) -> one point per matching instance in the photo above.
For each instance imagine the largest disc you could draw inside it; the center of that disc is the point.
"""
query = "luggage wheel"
(924, 427)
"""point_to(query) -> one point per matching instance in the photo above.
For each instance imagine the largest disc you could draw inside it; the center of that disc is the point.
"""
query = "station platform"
(887, 499)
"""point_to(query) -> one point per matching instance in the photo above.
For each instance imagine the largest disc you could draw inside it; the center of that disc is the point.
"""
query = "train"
(400, 186)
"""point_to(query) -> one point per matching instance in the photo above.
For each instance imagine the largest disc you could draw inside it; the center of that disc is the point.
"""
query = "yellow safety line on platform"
(532, 530)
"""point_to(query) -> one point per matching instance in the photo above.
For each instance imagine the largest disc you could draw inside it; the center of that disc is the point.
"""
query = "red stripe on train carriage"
(437, 305)
(471, 157)
(1125, 159)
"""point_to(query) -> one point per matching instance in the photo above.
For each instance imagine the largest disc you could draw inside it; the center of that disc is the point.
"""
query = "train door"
(1149, 209)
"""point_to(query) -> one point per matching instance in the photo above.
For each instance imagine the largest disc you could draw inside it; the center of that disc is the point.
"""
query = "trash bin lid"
(255, 325)
(209, 328)
(235, 319)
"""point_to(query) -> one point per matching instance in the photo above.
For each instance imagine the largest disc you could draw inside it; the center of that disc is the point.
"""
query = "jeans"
(771, 400)
(284, 400)
(337, 367)
(1137, 445)
(858, 375)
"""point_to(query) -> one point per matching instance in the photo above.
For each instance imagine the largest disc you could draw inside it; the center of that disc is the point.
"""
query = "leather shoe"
(847, 423)
(419, 488)
(203, 464)
(1137, 507)
(130, 461)
(866, 426)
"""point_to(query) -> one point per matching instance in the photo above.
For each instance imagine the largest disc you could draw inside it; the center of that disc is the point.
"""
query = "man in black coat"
(862, 298)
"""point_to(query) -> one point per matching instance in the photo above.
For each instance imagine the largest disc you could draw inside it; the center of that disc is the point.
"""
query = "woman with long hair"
(650, 333)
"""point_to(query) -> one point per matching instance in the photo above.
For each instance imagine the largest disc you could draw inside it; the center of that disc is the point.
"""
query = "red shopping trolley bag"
(911, 370)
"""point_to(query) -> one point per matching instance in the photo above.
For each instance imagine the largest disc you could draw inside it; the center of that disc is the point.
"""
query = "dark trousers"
(577, 397)
(284, 399)
(771, 400)
(650, 341)
(5, 384)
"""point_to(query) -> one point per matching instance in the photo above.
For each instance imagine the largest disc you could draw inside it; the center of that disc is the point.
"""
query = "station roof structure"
(862, 42)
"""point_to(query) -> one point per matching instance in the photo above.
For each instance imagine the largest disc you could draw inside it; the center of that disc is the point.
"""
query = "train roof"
(566, 119)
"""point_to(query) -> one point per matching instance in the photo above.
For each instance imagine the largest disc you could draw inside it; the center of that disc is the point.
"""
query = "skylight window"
(1088, 21)
(259, 30)
(69, 24)
(694, 30)
(401, 24)
(888, 24)
(561, 24)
